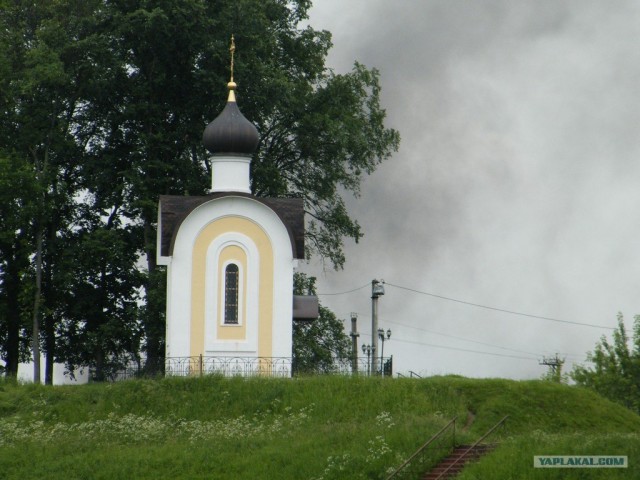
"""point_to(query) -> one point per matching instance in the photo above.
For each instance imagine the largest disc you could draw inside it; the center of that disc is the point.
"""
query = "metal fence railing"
(256, 366)
(469, 449)
(228, 366)
(428, 455)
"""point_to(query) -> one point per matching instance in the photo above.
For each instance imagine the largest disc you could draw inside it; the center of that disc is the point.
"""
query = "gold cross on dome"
(232, 49)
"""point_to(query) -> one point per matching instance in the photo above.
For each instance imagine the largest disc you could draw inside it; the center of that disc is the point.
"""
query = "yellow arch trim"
(265, 282)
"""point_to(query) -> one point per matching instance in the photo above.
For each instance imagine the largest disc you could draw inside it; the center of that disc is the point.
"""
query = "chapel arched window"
(231, 287)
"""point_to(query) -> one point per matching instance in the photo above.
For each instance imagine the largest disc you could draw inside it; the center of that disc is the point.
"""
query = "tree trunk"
(35, 339)
(40, 168)
(49, 348)
(12, 286)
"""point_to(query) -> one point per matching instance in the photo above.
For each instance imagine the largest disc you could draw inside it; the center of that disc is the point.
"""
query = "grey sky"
(516, 185)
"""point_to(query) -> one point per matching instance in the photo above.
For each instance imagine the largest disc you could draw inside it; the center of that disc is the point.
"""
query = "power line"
(498, 309)
(537, 355)
(344, 293)
(442, 297)
(466, 350)
(463, 339)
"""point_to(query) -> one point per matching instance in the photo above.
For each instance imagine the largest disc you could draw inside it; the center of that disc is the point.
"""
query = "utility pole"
(555, 364)
(354, 343)
(377, 290)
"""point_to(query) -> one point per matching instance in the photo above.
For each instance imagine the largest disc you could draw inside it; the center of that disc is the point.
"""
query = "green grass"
(304, 428)
(514, 458)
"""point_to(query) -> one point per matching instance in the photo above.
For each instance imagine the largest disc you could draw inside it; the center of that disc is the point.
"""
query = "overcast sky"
(517, 184)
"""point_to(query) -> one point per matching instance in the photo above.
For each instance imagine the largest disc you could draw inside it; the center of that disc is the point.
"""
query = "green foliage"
(616, 367)
(100, 301)
(17, 183)
(323, 139)
(40, 104)
(319, 343)
(103, 106)
(328, 427)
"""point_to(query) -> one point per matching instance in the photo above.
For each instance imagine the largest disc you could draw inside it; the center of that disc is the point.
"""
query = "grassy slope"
(308, 428)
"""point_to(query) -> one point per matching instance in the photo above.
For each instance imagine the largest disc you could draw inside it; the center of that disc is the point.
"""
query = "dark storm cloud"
(516, 182)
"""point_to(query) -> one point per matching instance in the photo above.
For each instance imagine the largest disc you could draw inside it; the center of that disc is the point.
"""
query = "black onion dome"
(231, 132)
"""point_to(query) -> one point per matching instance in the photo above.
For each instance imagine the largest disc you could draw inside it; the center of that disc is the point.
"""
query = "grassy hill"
(304, 428)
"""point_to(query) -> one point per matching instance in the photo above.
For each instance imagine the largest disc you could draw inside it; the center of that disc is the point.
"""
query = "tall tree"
(100, 327)
(59, 59)
(318, 345)
(36, 130)
(113, 97)
(319, 131)
(16, 184)
(615, 373)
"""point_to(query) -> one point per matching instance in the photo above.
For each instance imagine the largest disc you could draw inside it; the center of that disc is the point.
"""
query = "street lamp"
(382, 339)
(367, 350)
(377, 290)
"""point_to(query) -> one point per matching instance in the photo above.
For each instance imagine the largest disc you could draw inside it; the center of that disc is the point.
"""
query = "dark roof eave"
(175, 208)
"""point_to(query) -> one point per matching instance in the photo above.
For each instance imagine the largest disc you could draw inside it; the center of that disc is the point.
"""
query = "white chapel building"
(230, 256)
